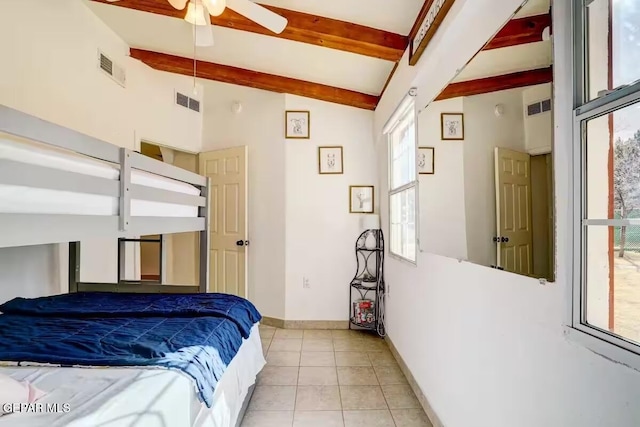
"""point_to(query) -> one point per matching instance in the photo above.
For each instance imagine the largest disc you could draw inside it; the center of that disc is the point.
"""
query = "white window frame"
(407, 105)
(599, 340)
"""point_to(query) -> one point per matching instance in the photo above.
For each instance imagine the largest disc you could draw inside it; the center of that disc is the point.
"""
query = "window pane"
(403, 152)
(613, 61)
(613, 280)
(613, 165)
(403, 223)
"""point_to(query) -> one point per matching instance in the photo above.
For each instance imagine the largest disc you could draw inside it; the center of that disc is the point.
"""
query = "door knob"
(240, 243)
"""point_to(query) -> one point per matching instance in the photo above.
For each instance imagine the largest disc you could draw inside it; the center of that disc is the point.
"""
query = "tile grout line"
(295, 395)
(369, 358)
(339, 391)
(375, 372)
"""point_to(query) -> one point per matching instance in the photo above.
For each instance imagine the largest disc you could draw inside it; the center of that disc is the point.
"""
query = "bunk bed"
(60, 186)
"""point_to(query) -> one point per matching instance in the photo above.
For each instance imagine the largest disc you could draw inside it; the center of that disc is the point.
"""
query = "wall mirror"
(490, 198)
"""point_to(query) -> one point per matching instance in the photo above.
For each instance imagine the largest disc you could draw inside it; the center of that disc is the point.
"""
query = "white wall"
(442, 210)
(483, 132)
(538, 129)
(487, 347)
(260, 126)
(320, 231)
(49, 69)
(29, 271)
(448, 52)
(299, 221)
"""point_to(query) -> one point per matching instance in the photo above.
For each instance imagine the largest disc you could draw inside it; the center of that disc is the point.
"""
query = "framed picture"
(361, 199)
(330, 160)
(297, 124)
(426, 160)
(452, 126)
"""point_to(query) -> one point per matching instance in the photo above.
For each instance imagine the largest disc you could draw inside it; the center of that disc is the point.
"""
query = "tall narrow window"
(606, 283)
(401, 135)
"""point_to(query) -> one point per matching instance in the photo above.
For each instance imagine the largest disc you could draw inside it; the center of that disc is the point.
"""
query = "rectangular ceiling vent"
(538, 107)
(187, 102)
(111, 69)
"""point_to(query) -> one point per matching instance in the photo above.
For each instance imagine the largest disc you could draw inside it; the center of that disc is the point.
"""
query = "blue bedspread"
(108, 304)
(201, 347)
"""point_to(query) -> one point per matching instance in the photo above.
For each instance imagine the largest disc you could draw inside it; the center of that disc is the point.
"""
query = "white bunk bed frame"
(19, 229)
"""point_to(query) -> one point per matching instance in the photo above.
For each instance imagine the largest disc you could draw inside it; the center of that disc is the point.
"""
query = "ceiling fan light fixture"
(215, 7)
(196, 14)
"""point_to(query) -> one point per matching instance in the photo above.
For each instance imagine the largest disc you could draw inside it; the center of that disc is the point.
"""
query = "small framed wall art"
(330, 160)
(361, 198)
(452, 126)
(426, 160)
(297, 124)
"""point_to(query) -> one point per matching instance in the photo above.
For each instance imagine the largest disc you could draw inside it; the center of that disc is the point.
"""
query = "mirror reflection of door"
(490, 200)
(514, 240)
(524, 213)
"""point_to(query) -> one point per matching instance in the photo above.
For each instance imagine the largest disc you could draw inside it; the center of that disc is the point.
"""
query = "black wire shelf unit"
(367, 288)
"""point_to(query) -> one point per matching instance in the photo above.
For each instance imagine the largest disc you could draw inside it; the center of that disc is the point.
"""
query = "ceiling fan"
(198, 11)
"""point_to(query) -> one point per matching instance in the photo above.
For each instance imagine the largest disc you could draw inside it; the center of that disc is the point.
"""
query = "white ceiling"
(396, 16)
(270, 54)
(309, 62)
(496, 62)
(534, 7)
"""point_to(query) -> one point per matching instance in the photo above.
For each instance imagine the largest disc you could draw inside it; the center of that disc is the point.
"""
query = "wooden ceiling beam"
(497, 83)
(520, 31)
(255, 79)
(302, 27)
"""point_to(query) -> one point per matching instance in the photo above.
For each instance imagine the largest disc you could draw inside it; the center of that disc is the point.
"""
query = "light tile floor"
(339, 378)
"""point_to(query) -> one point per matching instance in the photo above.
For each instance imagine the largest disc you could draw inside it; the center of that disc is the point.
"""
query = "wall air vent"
(194, 105)
(546, 105)
(187, 102)
(112, 69)
(539, 107)
(182, 100)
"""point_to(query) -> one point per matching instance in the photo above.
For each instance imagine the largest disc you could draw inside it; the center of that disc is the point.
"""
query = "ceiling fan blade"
(258, 14)
(177, 4)
(203, 35)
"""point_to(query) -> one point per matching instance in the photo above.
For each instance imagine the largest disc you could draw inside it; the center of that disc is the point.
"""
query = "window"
(403, 181)
(606, 288)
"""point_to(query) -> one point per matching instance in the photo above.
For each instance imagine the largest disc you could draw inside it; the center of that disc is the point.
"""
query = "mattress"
(122, 304)
(119, 397)
(19, 199)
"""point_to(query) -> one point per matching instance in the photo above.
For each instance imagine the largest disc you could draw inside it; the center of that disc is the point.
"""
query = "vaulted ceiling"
(379, 38)
(339, 51)
(516, 57)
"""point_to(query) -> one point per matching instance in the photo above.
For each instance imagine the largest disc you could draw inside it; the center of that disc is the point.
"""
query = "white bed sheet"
(128, 397)
(19, 199)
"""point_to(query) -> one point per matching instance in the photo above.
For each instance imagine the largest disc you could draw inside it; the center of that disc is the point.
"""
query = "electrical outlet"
(305, 283)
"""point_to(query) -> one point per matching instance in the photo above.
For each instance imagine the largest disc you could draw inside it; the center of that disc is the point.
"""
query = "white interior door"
(513, 211)
(227, 219)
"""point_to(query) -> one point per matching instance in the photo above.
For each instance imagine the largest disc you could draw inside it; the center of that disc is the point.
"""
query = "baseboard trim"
(431, 414)
(304, 324)
(272, 321)
(316, 324)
